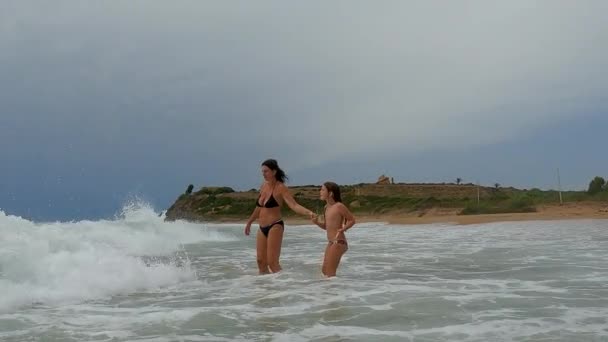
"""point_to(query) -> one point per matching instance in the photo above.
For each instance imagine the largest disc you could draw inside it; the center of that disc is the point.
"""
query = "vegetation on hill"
(211, 203)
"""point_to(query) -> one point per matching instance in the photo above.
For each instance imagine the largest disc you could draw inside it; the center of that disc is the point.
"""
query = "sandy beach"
(567, 211)
(555, 212)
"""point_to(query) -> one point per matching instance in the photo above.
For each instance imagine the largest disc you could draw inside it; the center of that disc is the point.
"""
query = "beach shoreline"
(567, 211)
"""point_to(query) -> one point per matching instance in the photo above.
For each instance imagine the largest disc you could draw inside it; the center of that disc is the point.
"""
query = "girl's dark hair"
(334, 189)
(273, 165)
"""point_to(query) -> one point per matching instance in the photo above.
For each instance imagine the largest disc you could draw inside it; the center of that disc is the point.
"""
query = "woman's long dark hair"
(274, 166)
(334, 189)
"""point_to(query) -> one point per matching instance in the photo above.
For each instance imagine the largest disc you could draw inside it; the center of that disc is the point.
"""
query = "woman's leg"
(275, 240)
(261, 247)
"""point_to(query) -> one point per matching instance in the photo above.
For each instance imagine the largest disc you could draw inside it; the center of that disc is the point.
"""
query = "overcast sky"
(104, 101)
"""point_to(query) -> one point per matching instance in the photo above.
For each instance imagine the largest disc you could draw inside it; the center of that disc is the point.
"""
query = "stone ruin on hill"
(383, 179)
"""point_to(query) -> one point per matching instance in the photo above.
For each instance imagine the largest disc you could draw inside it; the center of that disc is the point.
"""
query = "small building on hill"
(383, 179)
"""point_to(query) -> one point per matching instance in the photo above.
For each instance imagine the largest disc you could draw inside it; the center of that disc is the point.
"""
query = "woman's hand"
(247, 228)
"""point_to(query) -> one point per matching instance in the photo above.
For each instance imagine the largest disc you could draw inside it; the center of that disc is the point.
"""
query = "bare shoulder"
(281, 188)
(337, 208)
(343, 208)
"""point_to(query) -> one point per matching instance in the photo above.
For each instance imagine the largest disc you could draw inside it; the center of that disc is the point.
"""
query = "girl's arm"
(349, 218)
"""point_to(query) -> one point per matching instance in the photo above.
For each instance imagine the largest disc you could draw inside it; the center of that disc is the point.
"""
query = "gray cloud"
(340, 80)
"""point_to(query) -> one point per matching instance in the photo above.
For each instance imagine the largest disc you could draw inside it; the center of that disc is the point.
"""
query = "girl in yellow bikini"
(338, 219)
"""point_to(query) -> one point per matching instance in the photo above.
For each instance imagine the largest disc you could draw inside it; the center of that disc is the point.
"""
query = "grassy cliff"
(223, 203)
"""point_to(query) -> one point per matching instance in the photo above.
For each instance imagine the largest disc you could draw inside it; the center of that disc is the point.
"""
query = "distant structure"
(383, 180)
(189, 190)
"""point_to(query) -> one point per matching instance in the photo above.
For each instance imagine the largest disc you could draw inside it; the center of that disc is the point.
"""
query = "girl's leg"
(332, 258)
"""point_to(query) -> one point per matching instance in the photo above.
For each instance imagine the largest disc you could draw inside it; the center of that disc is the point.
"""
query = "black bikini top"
(270, 203)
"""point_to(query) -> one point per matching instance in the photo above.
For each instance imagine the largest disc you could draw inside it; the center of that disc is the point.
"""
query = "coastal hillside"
(223, 203)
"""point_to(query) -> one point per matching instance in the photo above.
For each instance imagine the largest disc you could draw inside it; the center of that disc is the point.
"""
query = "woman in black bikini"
(273, 193)
(338, 219)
